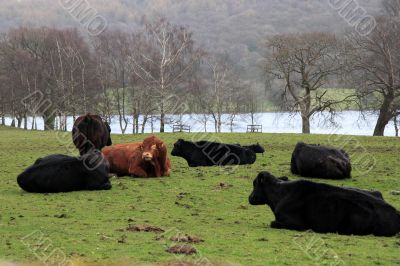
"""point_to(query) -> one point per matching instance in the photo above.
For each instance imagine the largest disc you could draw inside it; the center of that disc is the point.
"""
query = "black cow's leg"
(290, 225)
(287, 217)
(96, 186)
(192, 164)
(277, 225)
(106, 186)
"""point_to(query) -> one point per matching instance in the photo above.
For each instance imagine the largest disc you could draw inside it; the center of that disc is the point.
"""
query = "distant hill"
(236, 26)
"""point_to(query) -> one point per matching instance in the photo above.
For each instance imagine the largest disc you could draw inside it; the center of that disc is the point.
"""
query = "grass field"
(210, 203)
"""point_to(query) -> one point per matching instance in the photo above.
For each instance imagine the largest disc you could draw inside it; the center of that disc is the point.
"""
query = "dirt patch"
(182, 195)
(223, 186)
(122, 239)
(144, 228)
(182, 249)
(60, 216)
(186, 239)
(187, 206)
(243, 177)
(180, 263)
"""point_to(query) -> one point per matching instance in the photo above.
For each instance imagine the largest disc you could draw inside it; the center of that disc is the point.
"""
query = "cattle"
(257, 148)
(304, 205)
(320, 162)
(90, 132)
(205, 153)
(62, 173)
(139, 159)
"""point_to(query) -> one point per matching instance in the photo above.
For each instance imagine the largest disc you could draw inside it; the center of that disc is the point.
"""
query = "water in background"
(346, 123)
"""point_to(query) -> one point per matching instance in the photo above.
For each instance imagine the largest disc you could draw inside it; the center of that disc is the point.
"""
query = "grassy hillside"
(210, 203)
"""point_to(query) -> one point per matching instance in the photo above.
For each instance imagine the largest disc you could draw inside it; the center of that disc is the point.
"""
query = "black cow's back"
(321, 162)
(205, 153)
(60, 173)
(325, 208)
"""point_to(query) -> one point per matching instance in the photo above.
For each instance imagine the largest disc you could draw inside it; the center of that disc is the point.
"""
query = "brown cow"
(90, 132)
(140, 159)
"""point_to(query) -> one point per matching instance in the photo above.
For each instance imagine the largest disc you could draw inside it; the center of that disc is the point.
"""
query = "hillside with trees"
(238, 27)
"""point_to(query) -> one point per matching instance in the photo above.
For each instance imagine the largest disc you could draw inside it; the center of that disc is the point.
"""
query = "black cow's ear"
(261, 178)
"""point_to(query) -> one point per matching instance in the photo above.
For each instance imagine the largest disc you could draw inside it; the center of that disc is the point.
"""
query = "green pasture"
(210, 203)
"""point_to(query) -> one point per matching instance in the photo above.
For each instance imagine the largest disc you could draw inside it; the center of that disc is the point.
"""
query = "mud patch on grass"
(243, 177)
(122, 239)
(182, 249)
(180, 263)
(182, 195)
(144, 228)
(187, 239)
(223, 186)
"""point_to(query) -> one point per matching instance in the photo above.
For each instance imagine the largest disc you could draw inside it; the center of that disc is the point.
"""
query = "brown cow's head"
(153, 149)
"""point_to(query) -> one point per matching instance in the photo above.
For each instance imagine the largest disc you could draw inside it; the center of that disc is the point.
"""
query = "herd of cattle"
(297, 205)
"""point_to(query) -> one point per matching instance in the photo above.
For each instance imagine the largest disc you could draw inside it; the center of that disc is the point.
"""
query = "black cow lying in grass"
(320, 162)
(205, 153)
(257, 148)
(61, 173)
(304, 205)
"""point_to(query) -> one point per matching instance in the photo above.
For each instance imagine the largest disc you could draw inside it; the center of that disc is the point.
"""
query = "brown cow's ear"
(161, 145)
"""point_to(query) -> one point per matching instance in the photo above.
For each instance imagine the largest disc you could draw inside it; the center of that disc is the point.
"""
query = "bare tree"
(376, 61)
(396, 126)
(114, 47)
(251, 101)
(391, 7)
(55, 62)
(103, 75)
(235, 101)
(163, 65)
(304, 63)
(220, 77)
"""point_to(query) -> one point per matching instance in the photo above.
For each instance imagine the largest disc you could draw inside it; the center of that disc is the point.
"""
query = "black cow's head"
(109, 142)
(178, 148)
(257, 148)
(261, 185)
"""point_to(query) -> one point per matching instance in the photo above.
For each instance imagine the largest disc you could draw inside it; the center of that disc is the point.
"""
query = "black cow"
(257, 148)
(304, 205)
(61, 173)
(320, 162)
(205, 153)
(90, 132)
